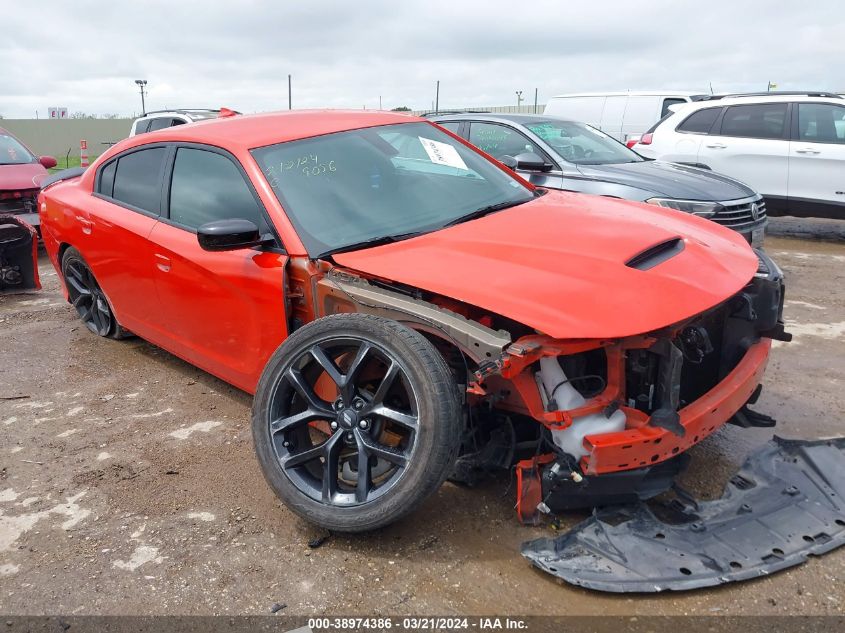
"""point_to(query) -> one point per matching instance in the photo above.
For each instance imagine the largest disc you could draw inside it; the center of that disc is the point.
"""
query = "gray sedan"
(560, 154)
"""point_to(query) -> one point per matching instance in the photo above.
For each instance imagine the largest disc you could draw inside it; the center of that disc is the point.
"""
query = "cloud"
(86, 55)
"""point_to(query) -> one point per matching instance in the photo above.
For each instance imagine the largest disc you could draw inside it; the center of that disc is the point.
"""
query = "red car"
(21, 173)
(405, 309)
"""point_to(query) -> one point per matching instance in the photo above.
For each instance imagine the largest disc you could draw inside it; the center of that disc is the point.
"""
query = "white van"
(623, 115)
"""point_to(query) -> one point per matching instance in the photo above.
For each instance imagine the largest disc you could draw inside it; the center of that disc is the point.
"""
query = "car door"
(115, 224)
(751, 144)
(224, 310)
(817, 160)
(683, 144)
(501, 140)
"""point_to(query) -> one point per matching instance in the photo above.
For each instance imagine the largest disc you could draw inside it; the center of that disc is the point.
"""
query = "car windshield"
(581, 144)
(349, 189)
(12, 152)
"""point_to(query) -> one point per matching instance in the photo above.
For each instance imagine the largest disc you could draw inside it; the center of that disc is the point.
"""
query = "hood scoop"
(657, 254)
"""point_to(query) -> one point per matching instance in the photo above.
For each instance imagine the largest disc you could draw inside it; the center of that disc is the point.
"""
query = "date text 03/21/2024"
(417, 624)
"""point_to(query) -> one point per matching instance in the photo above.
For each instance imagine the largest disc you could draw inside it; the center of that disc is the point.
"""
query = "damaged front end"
(620, 414)
(18, 255)
(616, 416)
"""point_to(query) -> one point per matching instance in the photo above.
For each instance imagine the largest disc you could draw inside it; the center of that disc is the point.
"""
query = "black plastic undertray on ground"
(785, 504)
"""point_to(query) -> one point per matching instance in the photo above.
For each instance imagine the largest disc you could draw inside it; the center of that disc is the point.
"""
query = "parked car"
(559, 154)
(161, 119)
(789, 147)
(623, 115)
(392, 298)
(21, 173)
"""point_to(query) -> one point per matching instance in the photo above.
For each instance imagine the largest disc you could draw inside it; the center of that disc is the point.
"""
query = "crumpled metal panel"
(785, 504)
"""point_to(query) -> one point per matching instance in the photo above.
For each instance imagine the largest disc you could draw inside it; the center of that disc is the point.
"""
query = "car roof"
(754, 99)
(504, 117)
(199, 113)
(250, 131)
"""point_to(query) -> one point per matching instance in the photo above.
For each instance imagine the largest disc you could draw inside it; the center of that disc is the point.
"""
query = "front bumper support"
(647, 445)
(785, 504)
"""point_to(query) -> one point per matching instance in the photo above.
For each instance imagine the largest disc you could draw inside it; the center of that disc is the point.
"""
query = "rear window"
(161, 123)
(107, 179)
(137, 179)
(668, 103)
(764, 120)
(700, 122)
(452, 126)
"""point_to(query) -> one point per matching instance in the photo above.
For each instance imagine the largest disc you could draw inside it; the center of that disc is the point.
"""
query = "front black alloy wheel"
(356, 421)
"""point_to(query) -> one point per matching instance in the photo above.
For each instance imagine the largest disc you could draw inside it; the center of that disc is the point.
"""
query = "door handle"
(162, 263)
(807, 150)
(716, 146)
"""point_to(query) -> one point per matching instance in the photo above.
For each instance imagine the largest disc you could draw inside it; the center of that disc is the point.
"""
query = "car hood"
(558, 265)
(25, 176)
(671, 180)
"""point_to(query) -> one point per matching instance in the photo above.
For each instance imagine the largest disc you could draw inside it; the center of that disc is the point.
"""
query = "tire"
(419, 404)
(89, 300)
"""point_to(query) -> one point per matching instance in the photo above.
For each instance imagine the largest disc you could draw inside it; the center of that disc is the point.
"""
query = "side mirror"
(530, 161)
(229, 235)
(47, 162)
(527, 161)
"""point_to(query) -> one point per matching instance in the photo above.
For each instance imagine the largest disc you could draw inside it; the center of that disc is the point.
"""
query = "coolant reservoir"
(566, 397)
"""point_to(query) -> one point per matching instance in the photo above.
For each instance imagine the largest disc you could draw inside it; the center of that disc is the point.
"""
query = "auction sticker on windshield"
(442, 154)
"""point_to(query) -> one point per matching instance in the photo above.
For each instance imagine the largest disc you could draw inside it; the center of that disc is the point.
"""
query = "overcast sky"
(85, 54)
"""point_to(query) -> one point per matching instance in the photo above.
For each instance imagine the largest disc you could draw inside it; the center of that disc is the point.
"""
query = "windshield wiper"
(369, 243)
(390, 239)
(478, 213)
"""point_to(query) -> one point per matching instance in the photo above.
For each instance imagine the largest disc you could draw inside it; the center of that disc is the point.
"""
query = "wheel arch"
(449, 331)
(60, 255)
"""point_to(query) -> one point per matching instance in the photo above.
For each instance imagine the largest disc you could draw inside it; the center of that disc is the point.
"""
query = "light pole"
(141, 83)
(518, 98)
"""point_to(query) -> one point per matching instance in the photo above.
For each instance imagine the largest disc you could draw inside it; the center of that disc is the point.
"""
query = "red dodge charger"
(406, 309)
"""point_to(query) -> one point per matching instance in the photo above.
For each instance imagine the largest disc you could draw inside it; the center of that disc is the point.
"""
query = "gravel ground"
(807, 228)
(128, 485)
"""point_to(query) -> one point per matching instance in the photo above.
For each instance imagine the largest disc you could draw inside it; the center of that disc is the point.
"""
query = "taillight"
(18, 195)
(630, 144)
(646, 139)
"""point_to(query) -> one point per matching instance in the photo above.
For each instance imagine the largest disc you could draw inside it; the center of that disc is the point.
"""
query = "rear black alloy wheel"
(86, 296)
(356, 420)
